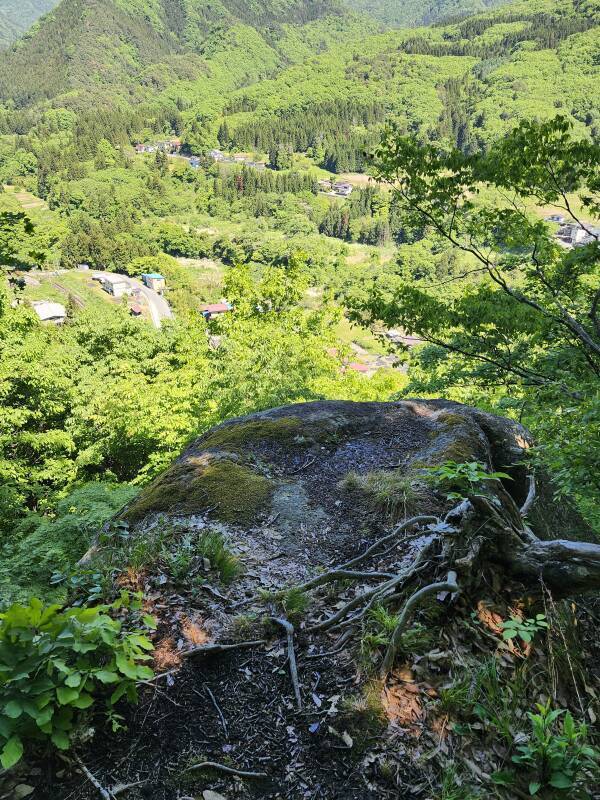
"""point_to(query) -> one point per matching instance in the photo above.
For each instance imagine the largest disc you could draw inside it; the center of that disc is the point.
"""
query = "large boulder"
(289, 493)
(325, 475)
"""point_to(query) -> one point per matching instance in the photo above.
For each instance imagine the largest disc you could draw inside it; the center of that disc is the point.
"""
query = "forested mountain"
(91, 44)
(398, 13)
(17, 16)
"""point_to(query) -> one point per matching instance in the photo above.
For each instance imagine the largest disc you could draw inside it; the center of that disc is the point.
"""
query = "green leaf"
(126, 666)
(13, 709)
(559, 780)
(145, 673)
(12, 752)
(60, 740)
(66, 695)
(83, 701)
(74, 680)
(106, 676)
(534, 787)
(44, 717)
(118, 693)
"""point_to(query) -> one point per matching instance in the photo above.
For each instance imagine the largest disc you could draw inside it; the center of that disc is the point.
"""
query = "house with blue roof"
(155, 281)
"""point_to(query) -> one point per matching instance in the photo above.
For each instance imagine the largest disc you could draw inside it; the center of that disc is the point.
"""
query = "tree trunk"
(491, 535)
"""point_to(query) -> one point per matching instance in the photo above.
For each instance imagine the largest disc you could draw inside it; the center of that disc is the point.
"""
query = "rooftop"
(114, 279)
(48, 310)
(215, 308)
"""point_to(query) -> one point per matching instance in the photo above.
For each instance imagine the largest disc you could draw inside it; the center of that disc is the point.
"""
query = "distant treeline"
(250, 183)
(335, 133)
(546, 30)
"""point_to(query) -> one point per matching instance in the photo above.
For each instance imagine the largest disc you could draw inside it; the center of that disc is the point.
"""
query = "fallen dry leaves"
(401, 700)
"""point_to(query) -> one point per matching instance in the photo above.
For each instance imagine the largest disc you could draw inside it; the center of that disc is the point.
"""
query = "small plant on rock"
(56, 663)
(464, 479)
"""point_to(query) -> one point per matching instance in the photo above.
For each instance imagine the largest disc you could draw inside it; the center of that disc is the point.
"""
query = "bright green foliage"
(467, 478)
(19, 248)
(56, 664)
(560, 761)
(524, 629)
(523, 314)
(41, 545)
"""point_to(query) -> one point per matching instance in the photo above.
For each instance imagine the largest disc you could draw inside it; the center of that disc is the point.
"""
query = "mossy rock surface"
(289, 464)
(235, 492)
(287, 494)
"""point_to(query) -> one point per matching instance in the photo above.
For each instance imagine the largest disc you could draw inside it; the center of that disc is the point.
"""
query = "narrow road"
(159, 308)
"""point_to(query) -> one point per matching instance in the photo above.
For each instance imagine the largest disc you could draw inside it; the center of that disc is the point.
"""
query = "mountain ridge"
(84, 43)
(419, 12)
(17, 16)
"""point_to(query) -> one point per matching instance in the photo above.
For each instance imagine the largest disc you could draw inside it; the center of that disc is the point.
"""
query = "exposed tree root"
(481, 534)
(403, 526)
(449, 585)
(104, 793)
(374, 595)
(228, 770)
(213, 649)
(530, 499)
(289, 629)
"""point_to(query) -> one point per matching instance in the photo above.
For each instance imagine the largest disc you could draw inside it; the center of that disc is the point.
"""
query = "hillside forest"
(373, 196)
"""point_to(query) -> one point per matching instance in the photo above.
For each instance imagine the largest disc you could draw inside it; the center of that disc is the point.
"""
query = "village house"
(573, 234)
(50, 312)
(216, 155)
(401, 338)
(194, 162)
(154, 281)
(355, 366)
(117, 285)
(136, 310)
(343, 189)
(215, 309)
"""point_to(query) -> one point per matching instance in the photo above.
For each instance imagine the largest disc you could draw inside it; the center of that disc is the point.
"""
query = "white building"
(50, 312)
(342, 188)
(117, 285)
(572, 234)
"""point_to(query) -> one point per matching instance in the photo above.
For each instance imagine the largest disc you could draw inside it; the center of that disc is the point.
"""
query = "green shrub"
(559, 756)
(465, 479)
(56, 663)
(43, 545)
(524, 629)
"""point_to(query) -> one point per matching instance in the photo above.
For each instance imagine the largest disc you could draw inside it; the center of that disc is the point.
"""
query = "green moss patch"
(237, 435)
(233, 491)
